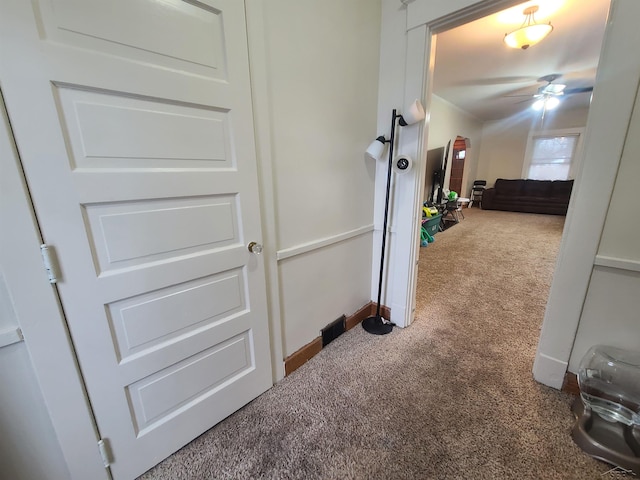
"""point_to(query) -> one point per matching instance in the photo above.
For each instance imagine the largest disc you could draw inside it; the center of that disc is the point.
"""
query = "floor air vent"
(333, 330)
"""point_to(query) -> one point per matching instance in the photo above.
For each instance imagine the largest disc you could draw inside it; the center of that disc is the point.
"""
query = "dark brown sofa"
(531, 196)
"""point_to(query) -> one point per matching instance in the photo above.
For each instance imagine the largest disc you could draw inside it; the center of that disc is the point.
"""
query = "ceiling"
(475, 70)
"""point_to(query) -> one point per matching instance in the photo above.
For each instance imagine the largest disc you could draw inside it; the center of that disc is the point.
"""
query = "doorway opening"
(500, 122)
(457, 165)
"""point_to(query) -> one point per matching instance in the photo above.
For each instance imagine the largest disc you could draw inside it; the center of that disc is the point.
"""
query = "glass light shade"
(551, 103)
(553, 88)
(376, 149)
(548, 103)
(526, 36)
(415, 114)
(538, 104)
(609, 380)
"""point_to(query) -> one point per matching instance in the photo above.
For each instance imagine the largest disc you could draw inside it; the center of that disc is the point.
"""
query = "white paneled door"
(134, 126)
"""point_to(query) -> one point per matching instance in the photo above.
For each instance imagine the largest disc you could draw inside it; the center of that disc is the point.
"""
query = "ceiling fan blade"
(529, 95)
(552, 77)
(522, 101)
(495, 81)
(569, 91)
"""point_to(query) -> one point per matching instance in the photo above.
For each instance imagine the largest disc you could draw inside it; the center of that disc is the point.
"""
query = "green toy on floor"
(425, 237)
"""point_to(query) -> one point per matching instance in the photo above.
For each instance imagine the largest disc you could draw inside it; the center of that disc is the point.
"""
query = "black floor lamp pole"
(376, 324)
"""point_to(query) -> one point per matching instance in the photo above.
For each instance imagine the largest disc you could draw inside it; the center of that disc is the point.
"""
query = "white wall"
(610, 313)
(322, 70)
(319, 286)
(28, 445)
(448, 121)
(504, 142)
(620, 238)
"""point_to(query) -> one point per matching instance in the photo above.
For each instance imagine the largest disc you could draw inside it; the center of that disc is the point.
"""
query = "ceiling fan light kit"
(548, 103)
(550, 95)
(529, 32)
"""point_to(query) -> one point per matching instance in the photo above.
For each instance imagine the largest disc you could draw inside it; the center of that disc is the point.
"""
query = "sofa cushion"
(561, 188)
(537, 188)
(531, 196)
(508, 187)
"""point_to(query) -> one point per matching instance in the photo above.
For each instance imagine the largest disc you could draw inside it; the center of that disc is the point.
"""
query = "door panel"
(141, 323)
(127, 234)
(109, 131)
(133, 120)
(189, 36)
(161, 396)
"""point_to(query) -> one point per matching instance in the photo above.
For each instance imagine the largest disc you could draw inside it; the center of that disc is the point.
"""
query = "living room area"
(510, 149)
(521, 112)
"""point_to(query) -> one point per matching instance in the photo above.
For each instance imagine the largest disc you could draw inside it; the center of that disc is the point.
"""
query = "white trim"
(10, 336)
(410, 191)
(323, 242)
(256, 40)
(576, 159)
(549, 370)
(619, 263)
(443, 16)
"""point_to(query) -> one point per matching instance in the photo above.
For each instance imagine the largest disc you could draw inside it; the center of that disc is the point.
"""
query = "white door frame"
(43, 324)
(255, 13)
(38, 308)
(603, 143)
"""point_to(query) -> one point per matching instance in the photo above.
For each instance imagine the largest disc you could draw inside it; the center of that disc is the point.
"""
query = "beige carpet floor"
(450, 397)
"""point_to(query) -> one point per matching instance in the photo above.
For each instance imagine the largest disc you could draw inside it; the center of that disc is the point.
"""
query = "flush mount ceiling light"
(530, 32)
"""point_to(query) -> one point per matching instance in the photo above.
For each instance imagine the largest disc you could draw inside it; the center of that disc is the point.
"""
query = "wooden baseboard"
(299, 358)
(311, 349)
(359, 316)
(367, 311)
(570, 384)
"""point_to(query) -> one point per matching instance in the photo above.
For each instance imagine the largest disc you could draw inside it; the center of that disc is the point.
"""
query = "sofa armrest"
(487, 198)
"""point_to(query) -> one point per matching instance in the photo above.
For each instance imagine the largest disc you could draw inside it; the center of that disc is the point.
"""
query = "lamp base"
(377, 325)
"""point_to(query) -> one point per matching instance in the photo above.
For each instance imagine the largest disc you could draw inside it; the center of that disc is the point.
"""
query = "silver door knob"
(255, 247)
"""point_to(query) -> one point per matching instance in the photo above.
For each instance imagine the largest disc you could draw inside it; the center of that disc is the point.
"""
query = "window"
(550, 156)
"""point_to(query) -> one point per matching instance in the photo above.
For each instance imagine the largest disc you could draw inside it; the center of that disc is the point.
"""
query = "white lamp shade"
(415, 113)
(376, 149)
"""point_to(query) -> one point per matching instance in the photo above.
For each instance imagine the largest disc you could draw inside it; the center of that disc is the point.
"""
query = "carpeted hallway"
(451, 397)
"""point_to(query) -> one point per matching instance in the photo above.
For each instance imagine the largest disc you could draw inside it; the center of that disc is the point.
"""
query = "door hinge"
(105, 452)
(49, 260)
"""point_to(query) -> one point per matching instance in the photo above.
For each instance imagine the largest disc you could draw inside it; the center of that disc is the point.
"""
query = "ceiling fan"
(548, 96)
